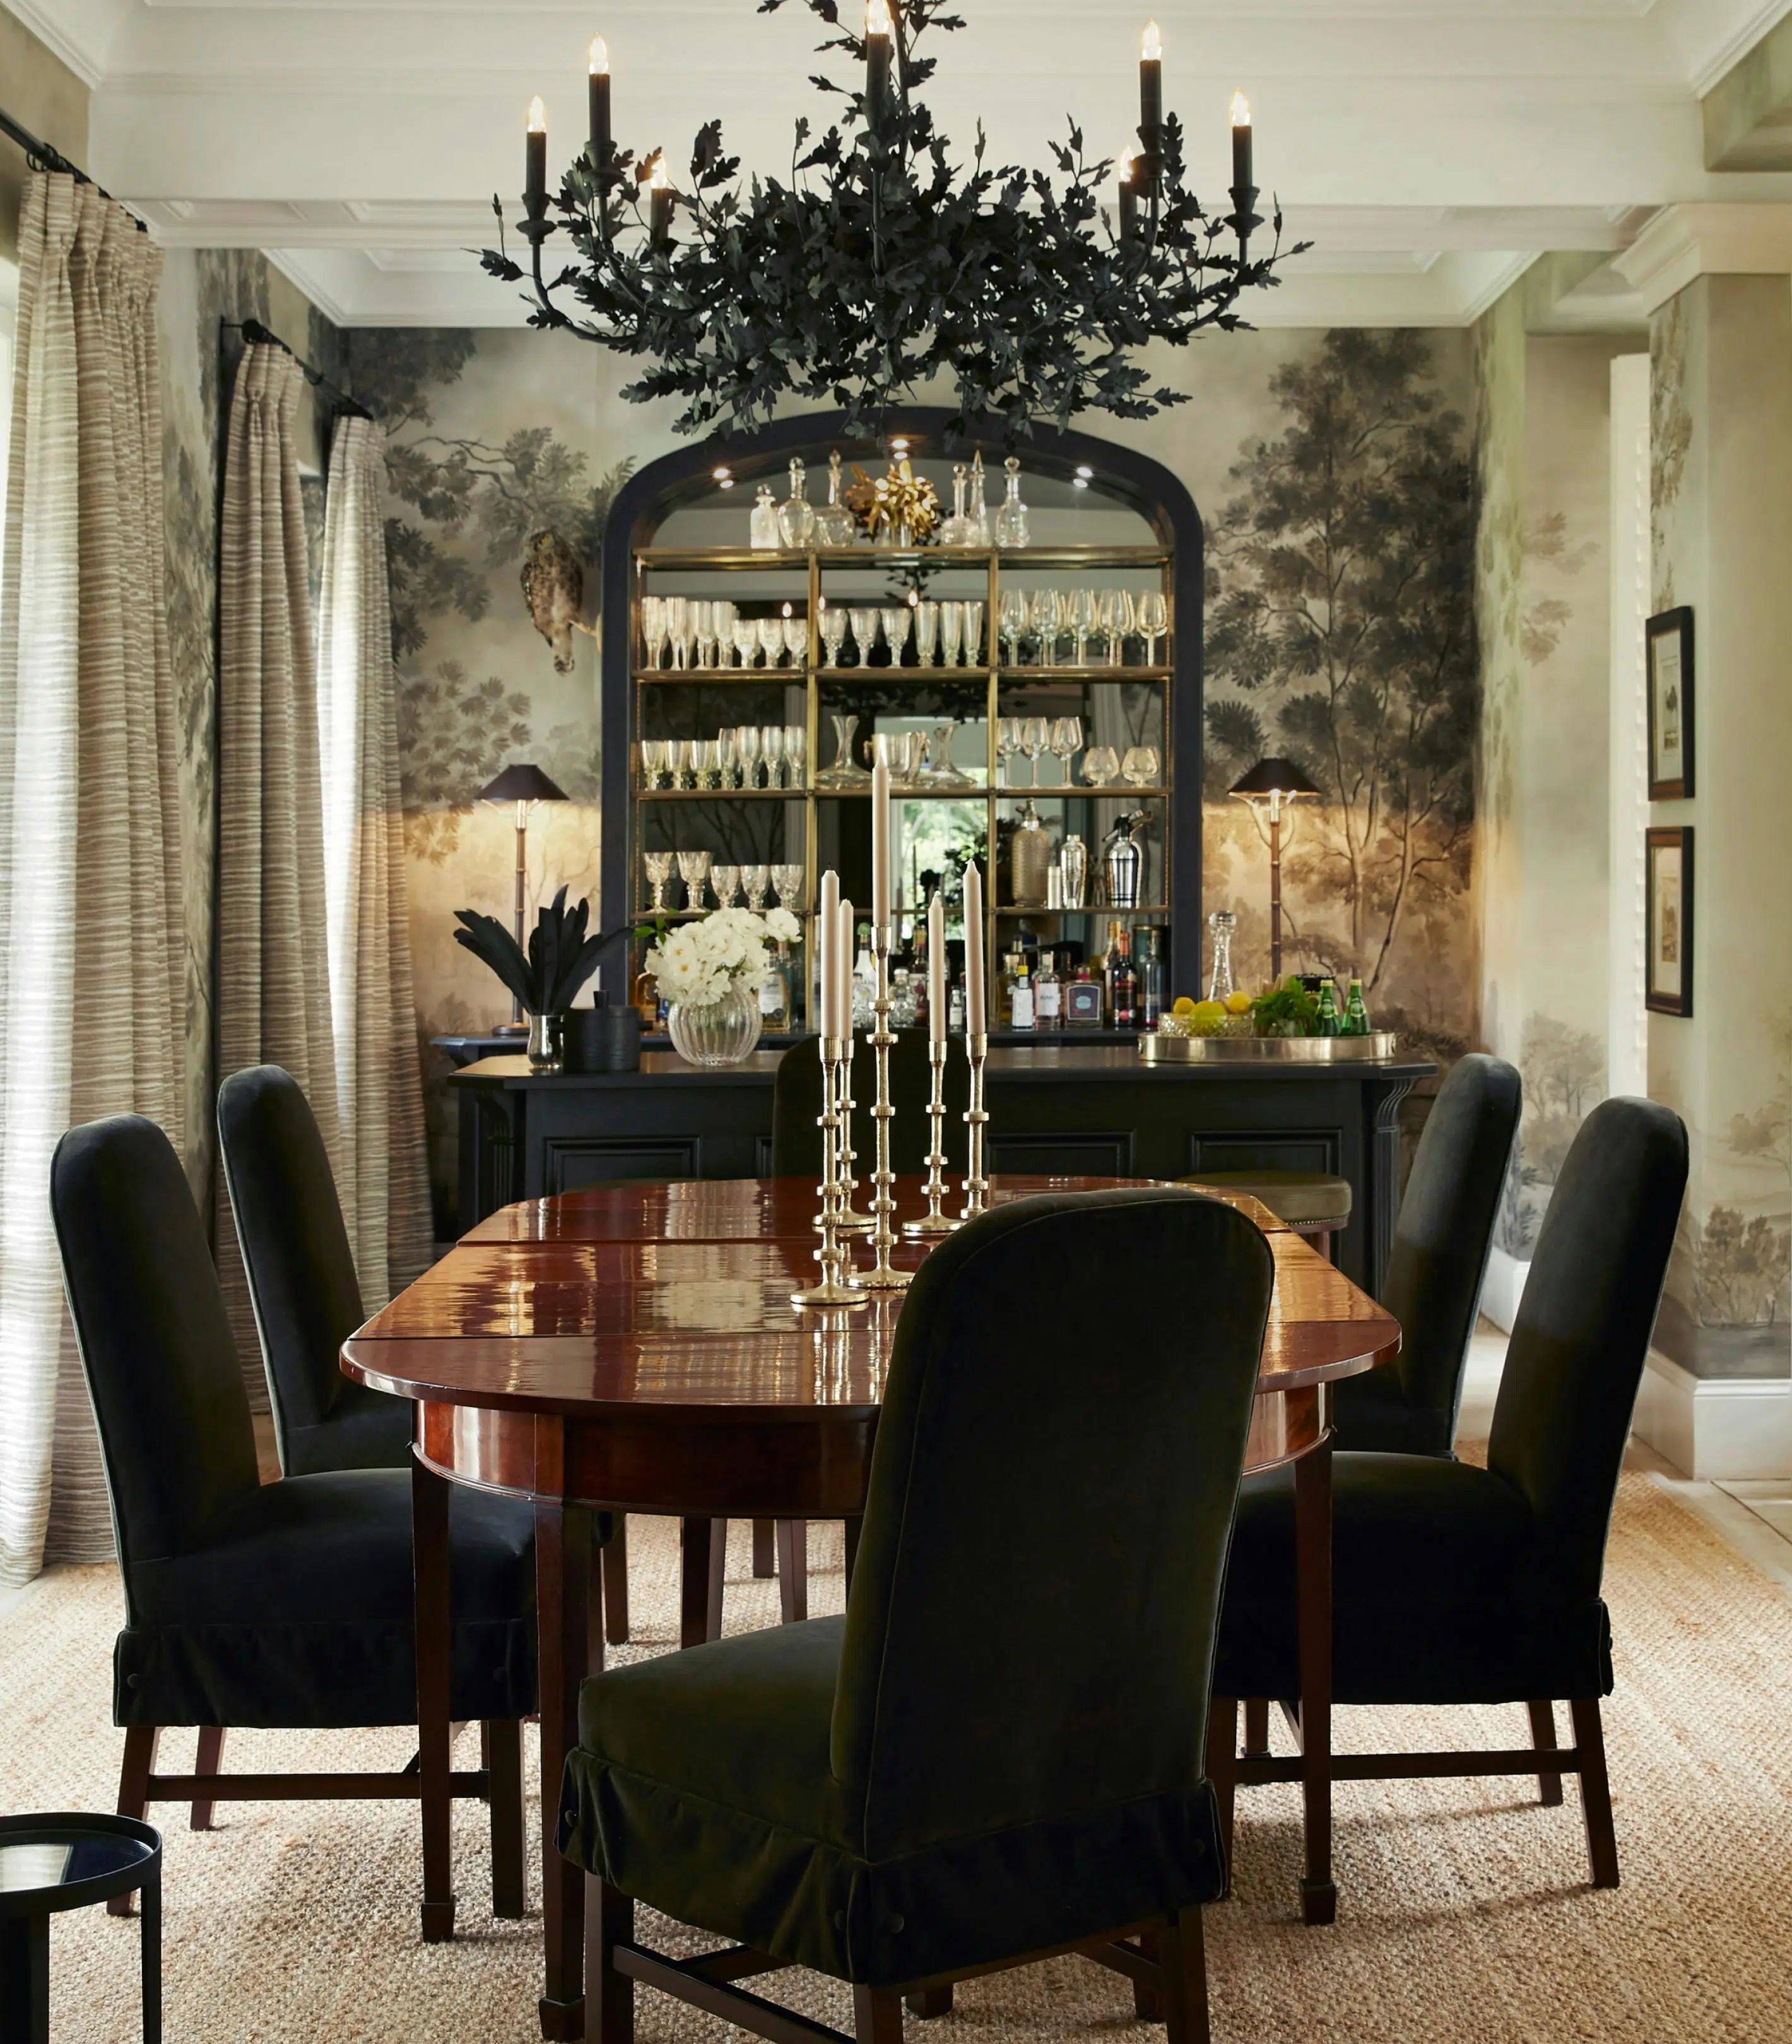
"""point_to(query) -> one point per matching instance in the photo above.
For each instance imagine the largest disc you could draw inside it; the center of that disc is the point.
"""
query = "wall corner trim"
(1699, 240)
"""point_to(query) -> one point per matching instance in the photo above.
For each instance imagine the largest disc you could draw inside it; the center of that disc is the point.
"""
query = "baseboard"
(1502, 1288)
(1715, 1428)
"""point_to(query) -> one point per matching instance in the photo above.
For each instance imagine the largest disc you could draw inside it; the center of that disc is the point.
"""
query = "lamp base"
(510, 1029)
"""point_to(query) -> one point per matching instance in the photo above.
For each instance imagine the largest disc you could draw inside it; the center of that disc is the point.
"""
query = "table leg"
(152, 1936)
(24, 1979)
(704, 1542)
(1312, 1542)
(429, 1561)
(563, 1580)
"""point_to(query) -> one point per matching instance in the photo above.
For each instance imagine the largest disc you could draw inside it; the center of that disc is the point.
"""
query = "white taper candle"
(842, 968)
(975, 1022)
(827, 936)
(880, 846)
(936, 967)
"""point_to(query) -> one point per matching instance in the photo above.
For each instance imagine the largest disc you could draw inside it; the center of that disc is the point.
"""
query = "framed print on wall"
(1669, 636)
(1669, 986)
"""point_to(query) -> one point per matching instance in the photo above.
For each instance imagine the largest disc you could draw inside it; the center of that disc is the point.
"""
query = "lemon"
(1184, 1006)
(1238, 1004)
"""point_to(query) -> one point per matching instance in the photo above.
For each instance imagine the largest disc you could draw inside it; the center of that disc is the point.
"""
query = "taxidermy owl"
(554, 589)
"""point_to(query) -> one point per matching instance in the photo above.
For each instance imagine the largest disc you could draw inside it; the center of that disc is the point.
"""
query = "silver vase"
(544, 1043)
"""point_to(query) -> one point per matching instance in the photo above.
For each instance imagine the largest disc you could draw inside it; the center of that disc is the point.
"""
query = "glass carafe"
(1011, 523)
(1222, 923)
(959, 530)
(835, 526)
(796, 515)
(982, 531)
(762, 531)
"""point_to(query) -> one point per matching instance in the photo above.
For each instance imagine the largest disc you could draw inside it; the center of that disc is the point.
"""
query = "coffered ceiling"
(1430, 148)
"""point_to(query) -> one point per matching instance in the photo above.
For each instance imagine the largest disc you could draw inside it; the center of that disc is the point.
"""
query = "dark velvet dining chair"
(286, 1604)
(951, 1779)
(307, 1299)
(1455, 1584)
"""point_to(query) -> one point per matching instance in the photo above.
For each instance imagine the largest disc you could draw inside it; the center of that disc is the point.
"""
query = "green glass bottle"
(1327, 1025)
(1356, 1016)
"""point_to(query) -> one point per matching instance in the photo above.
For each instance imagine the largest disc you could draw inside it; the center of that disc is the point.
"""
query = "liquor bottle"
(1012, 527)
(762, 531)
(1048, 992)
(1329, 1024)
(835, 526)
(1083, 1001)
(1356, 1016)
(1108, 959)
(796, 515)
(774, 995)
(959, 530)
(864, 983)
(955, 1009)
(1151, 980)
(982, 532)
(1018, 988)
(1125, 988)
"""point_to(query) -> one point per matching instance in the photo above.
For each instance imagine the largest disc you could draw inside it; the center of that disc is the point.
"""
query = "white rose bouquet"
(698, 964)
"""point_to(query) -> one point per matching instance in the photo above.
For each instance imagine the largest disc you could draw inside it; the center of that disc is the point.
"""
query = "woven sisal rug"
(1464, 1913)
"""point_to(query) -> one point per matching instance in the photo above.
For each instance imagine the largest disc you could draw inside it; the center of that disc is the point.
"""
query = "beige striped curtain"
(385, 1181)
(91, 918)
(273, 963)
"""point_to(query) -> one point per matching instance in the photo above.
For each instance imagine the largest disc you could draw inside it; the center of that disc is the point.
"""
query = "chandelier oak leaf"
(877, 265)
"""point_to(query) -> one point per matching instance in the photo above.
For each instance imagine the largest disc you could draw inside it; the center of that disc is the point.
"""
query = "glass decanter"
(761, 529)
(1220, 923)
(796, 515)
(983, 532)
(1011, 523)
(959, 530)
(835, 526)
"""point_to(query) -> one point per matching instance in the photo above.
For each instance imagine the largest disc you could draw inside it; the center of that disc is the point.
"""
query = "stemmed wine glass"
(726, 881)
(1139, 766)
(703, 629)
(693, 869)
(788, 881)
(1013, 617)
(1067, 740)
(653, 628)
(926, 634)
(747, 738)
(951, 631)
(896, 623)
(1082, 620)
(1153, 622)
(771, 751)
(796, 640)
(796, 752)
(677, 759)
(1034, 733)
(728, 755)
(653, 761)
(865, 633)
(659, 865)
(1007, 744)
(833, 634)
(703, 763)
(725, 614)
(678, 628)
(771, 639)
(1048, 621)
(973, 633)
(746, 639)
(756, 879)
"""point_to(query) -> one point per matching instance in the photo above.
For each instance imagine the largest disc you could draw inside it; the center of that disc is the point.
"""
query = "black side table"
(66, 1862)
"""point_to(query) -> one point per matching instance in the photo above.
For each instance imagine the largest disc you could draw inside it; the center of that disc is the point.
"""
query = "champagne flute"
(973, 633)
(746, 639)
(653, 761)
(693, 869)
(865, 633)
(1154, 621)
(724, 614)
(678, 628)
(653, 628)
(1013, 614)
(726, 881)
(771, 638)
(796, 752)
(703, 628)
(728, 755)
(1007, 744)
(951, 631)
(771, 751)
(896, 622)
(1034, 733)
(1067, 740)
(748, 738)
(833, 634)
(926, 634)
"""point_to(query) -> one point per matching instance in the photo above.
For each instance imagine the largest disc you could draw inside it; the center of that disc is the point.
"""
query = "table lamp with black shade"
(1270, 787)
(522, 785)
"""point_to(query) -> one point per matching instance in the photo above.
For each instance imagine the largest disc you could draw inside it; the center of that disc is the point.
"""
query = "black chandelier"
(877, 265)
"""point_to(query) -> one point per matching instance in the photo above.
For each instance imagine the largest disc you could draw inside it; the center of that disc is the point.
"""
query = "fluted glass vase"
(721, 1033)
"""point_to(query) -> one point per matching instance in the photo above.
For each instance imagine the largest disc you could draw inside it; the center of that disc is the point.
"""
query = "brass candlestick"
(977, 1049)
(935, 1220)
(837, 1287)
(882, 1277)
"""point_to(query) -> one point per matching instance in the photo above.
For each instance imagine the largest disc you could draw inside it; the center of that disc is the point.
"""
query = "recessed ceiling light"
(1086, 473)
(1080, 483)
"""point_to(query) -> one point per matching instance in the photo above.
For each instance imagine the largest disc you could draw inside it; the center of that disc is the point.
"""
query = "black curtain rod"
(254, 332)
(42, 156)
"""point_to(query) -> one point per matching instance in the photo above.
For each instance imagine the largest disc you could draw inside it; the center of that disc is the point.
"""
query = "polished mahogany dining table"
(634, 1348)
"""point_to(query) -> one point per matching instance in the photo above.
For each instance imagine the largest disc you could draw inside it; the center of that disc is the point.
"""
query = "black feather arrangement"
(560, 958)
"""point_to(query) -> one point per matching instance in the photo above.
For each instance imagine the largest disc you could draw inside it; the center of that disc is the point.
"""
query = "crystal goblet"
(659, 865)
(677, 759)
(724, 617)
(796, 640)
(653, 761)
(1066, 742)
(678, 629)
(973, 633)
(728, 756)
(1034, 733)
(788, 881)
(926, 634)
(951, 631)
(865, 633)
(746, 639)
(703, 770)
(771, 751)
(796, 752)
(771, 638)
(896, 622)
(693, 869)
(726, 881)
(756, 879)
(833, 634)
(1139, 766)
(747, 738)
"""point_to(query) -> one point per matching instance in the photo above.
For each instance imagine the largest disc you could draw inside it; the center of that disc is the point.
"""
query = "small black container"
(619, 1030)
(582, 1039)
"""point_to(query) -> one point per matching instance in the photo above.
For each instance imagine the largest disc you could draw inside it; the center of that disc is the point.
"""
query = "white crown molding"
(1756, 18)
(1682, 242)
(77, 33)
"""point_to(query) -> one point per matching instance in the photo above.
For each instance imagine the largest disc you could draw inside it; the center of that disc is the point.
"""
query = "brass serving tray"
(1378, 1047)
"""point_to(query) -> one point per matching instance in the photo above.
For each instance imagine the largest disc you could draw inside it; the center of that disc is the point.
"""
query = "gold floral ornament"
(901, 508)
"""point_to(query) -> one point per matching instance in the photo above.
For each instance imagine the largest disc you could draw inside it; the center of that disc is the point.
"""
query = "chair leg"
(877, 2015)
(930, 2002)
(610, 1996)
(1184, 1962)
(1256, 1727)
(1595, 1791)
(211, 1752)
(793, 1569)
(140, 1742)
(1222, 1768)
(765, 1552)
(504, 1763)
(615, 1568)
(1542, 1738)
(1148, 1997)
